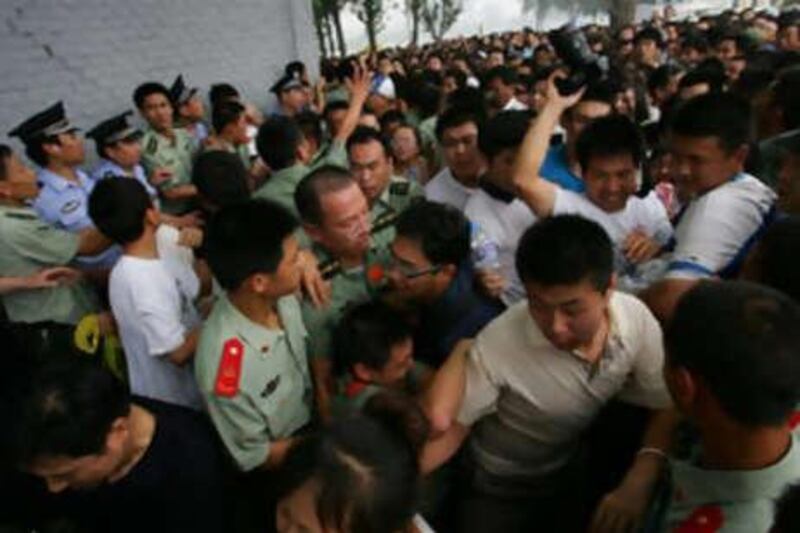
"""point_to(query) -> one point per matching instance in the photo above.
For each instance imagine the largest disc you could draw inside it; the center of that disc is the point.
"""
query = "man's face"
(86, 472)
(126, 153)
(501, 93)
(385, 66)
(434, 64)
(237, 130)
(286, 278)
(538, 96)
(610, 181)
(404, 144)
(412, 276)
(569, 316)
(449, 85)
(345, 227)
(789, 184)
(501, 168)
(726, 49)
(157, 111)
(400, 363)
(734, 68)
(701, 163)
(460, 149)
(496, 59)
(372, 168)
(379, 104)
(580, 115)
(294, 99)
(691, 56)
(789, 38)
(68, 150)
(647, 51)
(335, 120)
(193, 109)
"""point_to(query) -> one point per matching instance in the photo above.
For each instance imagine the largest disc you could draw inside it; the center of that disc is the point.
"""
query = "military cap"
(179, 93)
(47, 123)
(113, 129)
(290, 80)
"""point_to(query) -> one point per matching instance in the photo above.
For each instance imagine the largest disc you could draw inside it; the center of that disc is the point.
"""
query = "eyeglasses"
(411, 272)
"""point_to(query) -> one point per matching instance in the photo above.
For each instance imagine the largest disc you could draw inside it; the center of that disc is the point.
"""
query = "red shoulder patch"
(354, 388)
(794, 421)
(230, 369)
(705, 519)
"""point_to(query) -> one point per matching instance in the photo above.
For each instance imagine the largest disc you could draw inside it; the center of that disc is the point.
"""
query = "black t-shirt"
(181, 483)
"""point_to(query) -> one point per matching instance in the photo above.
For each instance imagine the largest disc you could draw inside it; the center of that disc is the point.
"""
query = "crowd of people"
(519, 282)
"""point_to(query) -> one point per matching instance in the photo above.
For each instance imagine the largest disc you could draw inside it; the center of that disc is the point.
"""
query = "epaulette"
(21, 216)
(230, 368)
(152, 146)
(330, 268)
(109, 174)
(386, 220)
(399, 188)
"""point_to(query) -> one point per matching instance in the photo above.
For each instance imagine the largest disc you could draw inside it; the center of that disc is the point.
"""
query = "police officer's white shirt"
(445, 189)
(152, 301)
(717, 228)
(504, 223)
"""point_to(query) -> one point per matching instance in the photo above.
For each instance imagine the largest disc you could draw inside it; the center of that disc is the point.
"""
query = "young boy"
(251, 363)
(152, 291)
(373, 351)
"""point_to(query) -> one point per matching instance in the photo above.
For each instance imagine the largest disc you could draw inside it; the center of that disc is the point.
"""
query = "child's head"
(122, 210)
(373, 343)
(251, 247)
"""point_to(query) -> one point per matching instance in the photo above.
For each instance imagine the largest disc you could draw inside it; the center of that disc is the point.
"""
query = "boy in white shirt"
(152, 289)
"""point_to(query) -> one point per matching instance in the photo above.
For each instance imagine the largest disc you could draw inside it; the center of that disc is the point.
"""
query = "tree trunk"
(414, 27)
(622, 12)
(329, 35)
(337, 23)
(319, 26)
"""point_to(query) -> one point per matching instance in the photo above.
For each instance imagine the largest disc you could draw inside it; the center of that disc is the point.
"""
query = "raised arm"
(535, 191)
(359, 85)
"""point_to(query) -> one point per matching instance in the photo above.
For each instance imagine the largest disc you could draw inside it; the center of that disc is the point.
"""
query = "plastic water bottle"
(485, 253)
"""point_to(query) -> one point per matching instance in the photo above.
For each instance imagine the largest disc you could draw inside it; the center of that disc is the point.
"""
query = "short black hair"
(650, 33)
(708, 75)
(468, 98)
(784, 96)
(390, 117)
(366, 334)
(220, 178)
(66, 409)
(607, 136)
(309, 192)
(780, 241)
(695, 41)
(146, 89)
(366, 135)
(505, 130)
(336, 105)
(277, 142)
(742, 341)
(723, 116)
(310, 124)
(222, 92)
(602, 91)
(225, 113)
(117, 207)
(247, 238)
(454, 117)
(505, 74)
(366, 470)
(566, 250)
(660, 77)
(442, 231)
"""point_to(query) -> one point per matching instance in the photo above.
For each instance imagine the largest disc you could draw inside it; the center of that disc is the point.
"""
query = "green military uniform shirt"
(728, 501)
(352, 395)
(394, 200)
(280, 186)
(254, 380)
(348, 287)
(332, 153)
(29, 244)
(160, 152)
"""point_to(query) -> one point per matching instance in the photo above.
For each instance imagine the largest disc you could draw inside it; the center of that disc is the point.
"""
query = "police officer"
(41, 319)
(335, 217)
(250, 364)
(166, 147)
(290, 90)
(387, 195)
(53, 143)
(189, 110)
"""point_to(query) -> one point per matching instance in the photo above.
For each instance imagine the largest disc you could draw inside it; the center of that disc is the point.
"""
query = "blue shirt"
(65, 204)
(556, 169)
(107, 169)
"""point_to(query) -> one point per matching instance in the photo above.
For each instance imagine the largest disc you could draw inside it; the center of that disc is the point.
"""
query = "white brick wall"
(93, 53)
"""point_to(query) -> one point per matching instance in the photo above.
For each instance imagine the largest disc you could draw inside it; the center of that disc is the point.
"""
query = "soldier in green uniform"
(733, 369)
(251, 364)
(387, 195)
(166, 147)
(43, 319)
(335, 217)
(230, 131)
(286, 152)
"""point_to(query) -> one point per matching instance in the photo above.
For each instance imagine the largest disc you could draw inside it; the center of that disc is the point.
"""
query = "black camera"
(585, 66)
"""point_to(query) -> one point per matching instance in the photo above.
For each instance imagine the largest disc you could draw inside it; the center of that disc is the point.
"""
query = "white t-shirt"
(718, 228)
(504, 223)
(445, 189)
(515, 105)
(152, 301)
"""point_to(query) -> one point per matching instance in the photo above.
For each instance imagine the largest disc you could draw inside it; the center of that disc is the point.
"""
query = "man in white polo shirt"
(709, 138)
(536, 378)
(457, 130)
